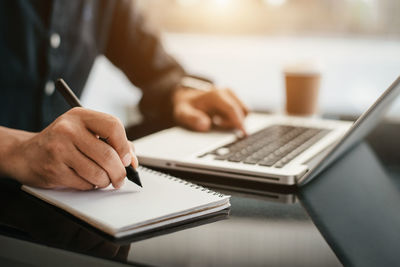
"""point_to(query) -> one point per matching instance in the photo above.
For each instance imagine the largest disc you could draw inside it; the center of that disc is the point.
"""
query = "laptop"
(280, 149)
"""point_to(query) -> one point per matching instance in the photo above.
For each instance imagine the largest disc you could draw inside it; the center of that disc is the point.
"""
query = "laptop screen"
(360, 129)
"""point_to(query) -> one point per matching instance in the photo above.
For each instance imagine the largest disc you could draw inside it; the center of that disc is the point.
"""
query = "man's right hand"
(68, 153)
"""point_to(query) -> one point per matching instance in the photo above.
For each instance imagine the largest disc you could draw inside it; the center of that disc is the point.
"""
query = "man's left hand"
(200, 110)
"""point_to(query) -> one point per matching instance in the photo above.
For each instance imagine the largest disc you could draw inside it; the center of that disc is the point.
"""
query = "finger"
(222, 123)
(230, 112)
(135, 161)
(87, 169)
(192, 118)
(109, 128)
(239, 102)
(104, 155)
(71, 179)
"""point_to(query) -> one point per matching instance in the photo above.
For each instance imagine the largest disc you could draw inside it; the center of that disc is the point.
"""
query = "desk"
(264, 228)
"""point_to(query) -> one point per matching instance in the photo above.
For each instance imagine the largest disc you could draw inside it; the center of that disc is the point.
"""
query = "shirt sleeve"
(138, 52)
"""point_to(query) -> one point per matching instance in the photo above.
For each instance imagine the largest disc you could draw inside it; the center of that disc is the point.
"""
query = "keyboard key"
(222, 151)
(225, 157)
(235, 159)
(251, 160)
(279, 165)
(267, 163)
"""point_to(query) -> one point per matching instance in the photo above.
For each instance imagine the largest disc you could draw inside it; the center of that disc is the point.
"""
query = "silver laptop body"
(280, 149)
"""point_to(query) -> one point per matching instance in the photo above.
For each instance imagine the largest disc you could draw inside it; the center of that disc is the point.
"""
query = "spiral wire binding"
(176, 179)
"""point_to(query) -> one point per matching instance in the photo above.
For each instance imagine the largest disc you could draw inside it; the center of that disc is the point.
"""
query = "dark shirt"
(42, 40)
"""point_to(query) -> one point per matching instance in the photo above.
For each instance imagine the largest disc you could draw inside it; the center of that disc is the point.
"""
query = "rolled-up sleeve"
(138, 52)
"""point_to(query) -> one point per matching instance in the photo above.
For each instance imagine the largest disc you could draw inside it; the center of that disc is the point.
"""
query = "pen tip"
(133, 175)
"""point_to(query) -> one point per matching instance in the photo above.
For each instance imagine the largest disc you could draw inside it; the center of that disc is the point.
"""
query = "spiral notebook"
(163, 200)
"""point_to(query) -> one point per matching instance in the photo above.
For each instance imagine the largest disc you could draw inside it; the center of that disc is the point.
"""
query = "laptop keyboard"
(274, 146)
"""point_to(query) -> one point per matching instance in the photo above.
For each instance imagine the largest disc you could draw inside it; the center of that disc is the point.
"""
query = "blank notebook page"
(162, 200)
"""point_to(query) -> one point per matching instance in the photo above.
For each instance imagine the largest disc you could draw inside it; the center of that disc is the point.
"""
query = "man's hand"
(199, 110)
(68, 153)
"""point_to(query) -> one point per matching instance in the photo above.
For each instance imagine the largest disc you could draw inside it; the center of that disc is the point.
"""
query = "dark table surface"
(266, 226)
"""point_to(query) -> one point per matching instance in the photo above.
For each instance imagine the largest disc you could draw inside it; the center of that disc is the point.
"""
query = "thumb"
(192, 118)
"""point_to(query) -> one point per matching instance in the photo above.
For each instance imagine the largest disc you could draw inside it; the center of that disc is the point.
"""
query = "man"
(45, 145)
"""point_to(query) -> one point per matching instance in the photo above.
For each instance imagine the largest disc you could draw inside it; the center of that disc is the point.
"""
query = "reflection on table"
(257, 232)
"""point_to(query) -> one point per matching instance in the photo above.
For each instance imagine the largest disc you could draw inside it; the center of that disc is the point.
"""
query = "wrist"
(10, 150)
(197, 83)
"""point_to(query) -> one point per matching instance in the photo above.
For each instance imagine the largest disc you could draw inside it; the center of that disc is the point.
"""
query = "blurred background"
(245, 44)
(267, 17)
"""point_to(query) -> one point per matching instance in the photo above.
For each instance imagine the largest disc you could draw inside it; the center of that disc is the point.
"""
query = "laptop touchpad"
(178, 142)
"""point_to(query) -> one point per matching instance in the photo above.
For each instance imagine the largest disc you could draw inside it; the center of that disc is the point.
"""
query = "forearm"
(138, 52)
(10, 139)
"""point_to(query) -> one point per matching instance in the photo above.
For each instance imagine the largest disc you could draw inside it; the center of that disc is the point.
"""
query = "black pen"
(73, 101)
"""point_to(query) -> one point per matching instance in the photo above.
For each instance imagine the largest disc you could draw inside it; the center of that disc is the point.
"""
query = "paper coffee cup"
(302, 83)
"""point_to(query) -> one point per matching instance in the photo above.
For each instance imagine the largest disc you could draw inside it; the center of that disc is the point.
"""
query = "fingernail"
(135, 160)
(127, 159)
(120, 184)
(217, 120)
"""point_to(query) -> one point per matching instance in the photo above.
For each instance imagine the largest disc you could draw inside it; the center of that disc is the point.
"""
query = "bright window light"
(221, 2)
(275, 2)
(187, 2)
